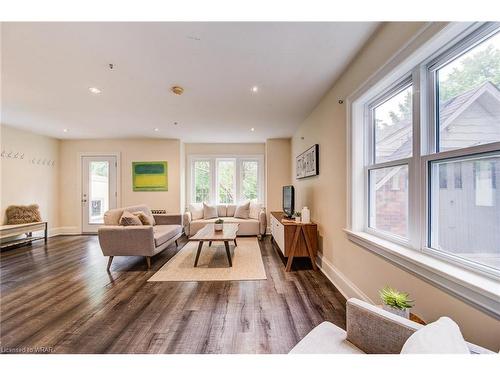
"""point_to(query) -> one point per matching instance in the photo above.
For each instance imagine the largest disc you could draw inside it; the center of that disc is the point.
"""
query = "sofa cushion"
(242, 211)
(326, 338)
(163, 233)
(230, 210)
(129, 218)
(440, 337)
(255, 209)
(222, 210)
(196, 210)
(209, 211)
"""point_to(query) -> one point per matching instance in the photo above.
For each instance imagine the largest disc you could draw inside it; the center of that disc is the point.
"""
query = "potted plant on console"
(218, 224)
(396, 302)
(297, 216)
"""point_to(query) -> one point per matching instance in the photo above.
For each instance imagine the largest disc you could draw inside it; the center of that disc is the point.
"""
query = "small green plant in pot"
(397, 302)
(218, 224)
(297, 216)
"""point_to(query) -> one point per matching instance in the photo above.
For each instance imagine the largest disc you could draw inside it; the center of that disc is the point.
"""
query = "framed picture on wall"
(150, 175)
(307, 163)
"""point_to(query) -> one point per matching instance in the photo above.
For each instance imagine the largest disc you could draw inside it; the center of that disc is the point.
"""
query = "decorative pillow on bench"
(23, 214)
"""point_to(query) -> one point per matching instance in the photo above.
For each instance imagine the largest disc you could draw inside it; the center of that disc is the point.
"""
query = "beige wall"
(224, 148)
(326, 197)
(278, 172)
(130, 150)
(23, 182)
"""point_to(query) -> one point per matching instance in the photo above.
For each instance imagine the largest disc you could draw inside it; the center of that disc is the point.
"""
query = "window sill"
(480, 291)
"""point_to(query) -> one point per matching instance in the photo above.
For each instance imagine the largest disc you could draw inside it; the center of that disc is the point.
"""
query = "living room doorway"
(99, 190)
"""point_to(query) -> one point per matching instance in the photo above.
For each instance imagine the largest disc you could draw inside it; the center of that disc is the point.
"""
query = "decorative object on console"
(150, 176)
(306, 215)
(297, 215)
(219, 224)
(396, 302)
(307, 163)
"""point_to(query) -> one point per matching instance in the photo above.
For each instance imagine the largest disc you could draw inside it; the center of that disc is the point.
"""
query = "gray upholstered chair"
(370, 330)
(140, 240)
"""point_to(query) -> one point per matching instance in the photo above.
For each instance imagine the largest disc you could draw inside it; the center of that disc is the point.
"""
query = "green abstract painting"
(150, 175)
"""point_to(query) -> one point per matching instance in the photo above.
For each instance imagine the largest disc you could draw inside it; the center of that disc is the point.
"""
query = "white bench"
(9, 233)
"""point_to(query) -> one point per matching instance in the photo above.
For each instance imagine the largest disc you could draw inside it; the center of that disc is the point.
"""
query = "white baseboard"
(345, 286)
(61, 231)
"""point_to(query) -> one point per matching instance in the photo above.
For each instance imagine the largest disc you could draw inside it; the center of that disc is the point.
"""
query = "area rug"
(213, 264)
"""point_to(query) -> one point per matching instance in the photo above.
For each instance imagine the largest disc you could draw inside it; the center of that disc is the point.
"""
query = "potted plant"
(398, 303)
(218, 224)
(297, 216)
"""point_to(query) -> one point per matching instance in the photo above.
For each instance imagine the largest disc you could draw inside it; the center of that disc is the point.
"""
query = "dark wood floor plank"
(59, 295)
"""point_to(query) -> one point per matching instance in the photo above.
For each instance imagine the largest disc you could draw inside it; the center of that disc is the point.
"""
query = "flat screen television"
(288, 200)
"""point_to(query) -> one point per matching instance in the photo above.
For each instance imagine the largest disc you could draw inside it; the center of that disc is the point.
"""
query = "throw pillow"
(230, 209)
(255, 209)
(209, 212)
(23, 214)
(129, 218)
(441, 337)
(196, 210)
(145, 219)
(242, 211)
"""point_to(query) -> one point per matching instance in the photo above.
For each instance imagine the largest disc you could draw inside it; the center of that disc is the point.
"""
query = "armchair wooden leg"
(176, 244)
(148, 261)
(110, 260)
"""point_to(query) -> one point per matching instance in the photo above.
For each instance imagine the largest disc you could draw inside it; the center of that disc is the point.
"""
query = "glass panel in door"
(98, 191)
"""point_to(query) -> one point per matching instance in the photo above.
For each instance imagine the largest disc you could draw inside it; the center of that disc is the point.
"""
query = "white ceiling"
(47, 69)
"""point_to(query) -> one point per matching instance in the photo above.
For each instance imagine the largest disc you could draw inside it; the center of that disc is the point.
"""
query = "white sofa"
(370, 330)
(253, 226)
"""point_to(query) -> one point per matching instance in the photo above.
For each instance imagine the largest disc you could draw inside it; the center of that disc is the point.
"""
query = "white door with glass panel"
(98, 191)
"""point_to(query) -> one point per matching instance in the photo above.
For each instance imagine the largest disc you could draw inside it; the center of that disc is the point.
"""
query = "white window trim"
(213, 175)
(478, 289)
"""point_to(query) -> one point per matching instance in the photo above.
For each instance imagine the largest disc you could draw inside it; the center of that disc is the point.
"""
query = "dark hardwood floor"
(59, 297)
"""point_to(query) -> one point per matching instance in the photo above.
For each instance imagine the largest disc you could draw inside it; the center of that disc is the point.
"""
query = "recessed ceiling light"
(255, 88)
(177, 90)
(94, 90)
(156, 129)
(252, 129)
(176, 123)
(65, 130)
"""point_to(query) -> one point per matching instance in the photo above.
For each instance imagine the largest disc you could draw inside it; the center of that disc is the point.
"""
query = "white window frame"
(213, 159)
(435, 44)
(371, 163)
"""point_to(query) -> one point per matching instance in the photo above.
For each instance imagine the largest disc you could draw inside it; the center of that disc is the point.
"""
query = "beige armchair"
(140, 240)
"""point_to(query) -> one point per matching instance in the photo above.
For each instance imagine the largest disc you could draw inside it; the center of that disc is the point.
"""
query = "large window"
(425, 162)
(432, 154)
(226, 179)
